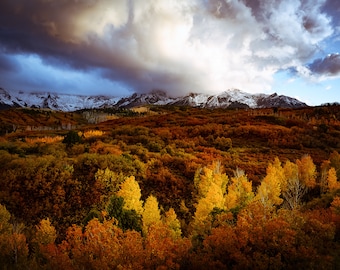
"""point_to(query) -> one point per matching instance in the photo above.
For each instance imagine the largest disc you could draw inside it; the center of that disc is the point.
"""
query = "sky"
(119, 47)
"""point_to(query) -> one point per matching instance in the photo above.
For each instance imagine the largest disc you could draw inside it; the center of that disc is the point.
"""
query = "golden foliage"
(240, 191)
(332, 182)
(93, 133)
(45, 232)
(307, 171)
(208, 176)
(170, 219)
(294, 188)
(109, 180)
(151, 214)
(211, 187)
(46, 139)
(131, 193)
(269, 192)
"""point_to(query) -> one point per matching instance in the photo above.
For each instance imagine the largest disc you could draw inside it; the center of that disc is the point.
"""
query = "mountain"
(64, 102)
(53, 101)
(155, 97)
(233, 98)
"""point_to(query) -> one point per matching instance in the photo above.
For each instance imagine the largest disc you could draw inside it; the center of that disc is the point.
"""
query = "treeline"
(180, 189)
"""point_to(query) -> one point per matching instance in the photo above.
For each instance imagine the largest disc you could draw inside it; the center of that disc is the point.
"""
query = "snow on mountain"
(233, 98)
(61, 102)
(155, 97)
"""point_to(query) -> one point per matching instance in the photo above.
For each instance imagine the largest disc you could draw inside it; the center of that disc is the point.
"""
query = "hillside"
(172, 180)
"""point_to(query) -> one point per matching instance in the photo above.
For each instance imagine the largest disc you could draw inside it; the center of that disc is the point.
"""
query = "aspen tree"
(307, 171)
(332, 181)
(211, 184)
(239, 191)
(131, 193)
(269, 191)
(45, 232)
(171, 220)
(151, 214)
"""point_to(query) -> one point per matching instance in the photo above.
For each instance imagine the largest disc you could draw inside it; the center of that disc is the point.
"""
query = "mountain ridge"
(232, 98)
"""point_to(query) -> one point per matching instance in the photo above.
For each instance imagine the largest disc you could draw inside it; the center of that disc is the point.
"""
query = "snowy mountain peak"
(53, 101)
(4, 95)
(233, 98)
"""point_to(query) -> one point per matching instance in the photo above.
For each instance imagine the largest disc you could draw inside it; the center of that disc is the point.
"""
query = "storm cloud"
(179, 46)
(328, 66)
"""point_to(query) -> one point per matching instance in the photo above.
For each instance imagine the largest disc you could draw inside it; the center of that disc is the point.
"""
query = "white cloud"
(179, 45)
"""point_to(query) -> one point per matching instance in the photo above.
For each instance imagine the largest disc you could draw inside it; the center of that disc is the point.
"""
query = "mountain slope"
(229, 99)
(63, 102)
(60, 102)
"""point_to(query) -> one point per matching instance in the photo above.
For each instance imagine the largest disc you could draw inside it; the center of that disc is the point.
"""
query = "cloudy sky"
(118, 47)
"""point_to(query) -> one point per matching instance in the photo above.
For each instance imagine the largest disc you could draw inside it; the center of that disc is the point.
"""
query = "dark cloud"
(6, 64)
(329, 66)
(179, 46)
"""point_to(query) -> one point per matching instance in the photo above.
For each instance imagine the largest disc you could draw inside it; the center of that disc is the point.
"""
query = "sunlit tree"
(170, 219)
(332, 181)
(211, 184)
(151, 214)
(307, 171)
(210, 175)
(269, 192)
(45, 232)
(239, 191)
(130, 191)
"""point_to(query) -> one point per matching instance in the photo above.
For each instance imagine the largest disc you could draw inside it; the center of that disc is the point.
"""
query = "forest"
(170, 188)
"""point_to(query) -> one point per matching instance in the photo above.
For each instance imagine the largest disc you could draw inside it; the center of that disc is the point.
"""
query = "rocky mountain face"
(63, 102)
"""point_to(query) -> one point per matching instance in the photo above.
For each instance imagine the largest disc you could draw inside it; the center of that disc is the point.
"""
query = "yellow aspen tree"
(5, 216)
(211, 185)
(170, 219)
(307, 171)
(269, 192)
(109, 180)
(332, 181)
(130, 191)
(213, 199)
(294, 189)
(210, 175)
(151, 214)
(239, 191)
(45, 232)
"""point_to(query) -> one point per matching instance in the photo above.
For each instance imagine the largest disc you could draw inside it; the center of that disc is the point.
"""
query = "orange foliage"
(104, 148)
(162, 250)
(332, 181)
(46, 139)
(262, 220)
(307, 171)
(93, 133)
